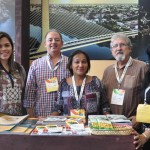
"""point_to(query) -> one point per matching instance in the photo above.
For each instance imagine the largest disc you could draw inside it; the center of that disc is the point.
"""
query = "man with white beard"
(123, 80)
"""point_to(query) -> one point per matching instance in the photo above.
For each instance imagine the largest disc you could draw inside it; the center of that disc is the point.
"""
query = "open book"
(11, 120)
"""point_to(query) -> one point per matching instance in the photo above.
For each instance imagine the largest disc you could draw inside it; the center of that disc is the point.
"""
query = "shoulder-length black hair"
(71, 59)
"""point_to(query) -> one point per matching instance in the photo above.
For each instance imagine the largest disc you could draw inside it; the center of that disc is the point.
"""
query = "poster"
(7, 17)
(88, 25)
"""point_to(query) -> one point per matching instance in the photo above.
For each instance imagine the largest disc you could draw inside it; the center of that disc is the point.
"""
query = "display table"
(28, 142)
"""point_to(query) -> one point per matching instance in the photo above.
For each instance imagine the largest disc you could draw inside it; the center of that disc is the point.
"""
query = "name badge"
(117, 96)
(77, 112)
(51, 84)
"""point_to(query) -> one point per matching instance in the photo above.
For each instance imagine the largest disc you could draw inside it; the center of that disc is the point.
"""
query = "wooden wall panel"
(22, 32)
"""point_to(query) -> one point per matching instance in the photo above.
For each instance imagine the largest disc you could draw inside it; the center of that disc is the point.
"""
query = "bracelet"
(146, 137)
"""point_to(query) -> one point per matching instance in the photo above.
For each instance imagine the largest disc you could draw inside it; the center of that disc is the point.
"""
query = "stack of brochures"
(54, 120)
(109, 124)
(60, 125)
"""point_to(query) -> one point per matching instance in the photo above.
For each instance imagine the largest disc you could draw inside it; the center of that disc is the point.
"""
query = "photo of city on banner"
(7, 17)
(89, 25)
(86, 25)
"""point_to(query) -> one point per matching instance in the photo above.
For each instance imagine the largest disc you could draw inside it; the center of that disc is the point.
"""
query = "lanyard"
(146, 90)
(124, 72)
(55, 68)
(78, 97)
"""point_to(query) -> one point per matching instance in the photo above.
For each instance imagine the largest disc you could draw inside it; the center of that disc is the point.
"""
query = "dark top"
(93, 99)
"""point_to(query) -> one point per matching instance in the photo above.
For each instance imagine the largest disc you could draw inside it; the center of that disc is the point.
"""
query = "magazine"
(118, 118)
(11, 120)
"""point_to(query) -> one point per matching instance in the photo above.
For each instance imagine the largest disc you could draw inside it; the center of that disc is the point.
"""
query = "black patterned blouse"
(93, 99)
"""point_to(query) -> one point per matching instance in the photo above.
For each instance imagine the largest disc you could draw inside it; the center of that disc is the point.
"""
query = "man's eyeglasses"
(120, 45)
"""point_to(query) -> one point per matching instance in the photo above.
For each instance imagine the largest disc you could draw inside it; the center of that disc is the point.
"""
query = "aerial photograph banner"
(88, 25)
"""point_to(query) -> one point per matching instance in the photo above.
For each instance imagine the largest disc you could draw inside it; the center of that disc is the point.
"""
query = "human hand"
(30, 112)
(54, 114)
(139, 139)
(136, 125)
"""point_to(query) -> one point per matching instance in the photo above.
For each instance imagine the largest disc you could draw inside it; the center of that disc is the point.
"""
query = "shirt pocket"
(129, 82)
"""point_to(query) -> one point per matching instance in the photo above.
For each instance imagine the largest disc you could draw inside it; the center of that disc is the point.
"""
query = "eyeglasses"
(120, 45)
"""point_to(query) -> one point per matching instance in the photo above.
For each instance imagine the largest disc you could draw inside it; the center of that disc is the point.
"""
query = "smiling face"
(120, 49)
(53, 42)
(5, 49)
(79, 65)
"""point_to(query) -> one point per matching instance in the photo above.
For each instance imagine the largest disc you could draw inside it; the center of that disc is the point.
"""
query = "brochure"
(11, 120)
(118, 118)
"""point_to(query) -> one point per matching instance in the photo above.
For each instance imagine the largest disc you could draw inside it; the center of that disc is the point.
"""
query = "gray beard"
(120, 57)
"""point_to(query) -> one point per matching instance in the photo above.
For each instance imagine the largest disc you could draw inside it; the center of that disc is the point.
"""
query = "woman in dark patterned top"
(81, 91)
(144, 138)
(12, 77)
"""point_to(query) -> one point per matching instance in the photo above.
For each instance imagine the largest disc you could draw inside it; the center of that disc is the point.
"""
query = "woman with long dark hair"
(12, 77)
